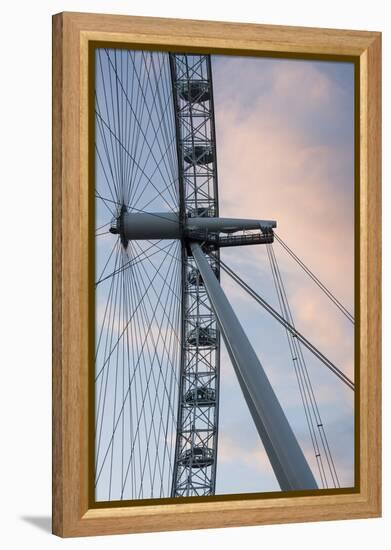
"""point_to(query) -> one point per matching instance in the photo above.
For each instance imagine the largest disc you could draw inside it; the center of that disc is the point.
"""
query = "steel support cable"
(117, 139)
(143, 132)
(133, 398)
(319, 283)
(320, 424)
(168, 288)
(108, 298)
(157, 436)
(130, 264)
(116, 122)
(134, 131)
(171, 423)
(299, 375)
(163, 365)
(117, 354)
(142, 364)
(167, 134)
(133, 199)
(115, 247)
(313, 411)
(141, 320)
(342, 376)
(108, 343)
(108, 310)
(113, 111)
(149, 110)
(105, 199)
(127, 360)
(313, 416)
(120, 117)
(121, 335)
(102, 165)
(135, 138)
(133, 159)
(113, 156)
(126, 118)
(140, 356)
(161, 83)
(117, 361)
(140, 110)
(125, 367)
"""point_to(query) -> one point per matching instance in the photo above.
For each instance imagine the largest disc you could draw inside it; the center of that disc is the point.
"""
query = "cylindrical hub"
(149, 226)
(163, 225)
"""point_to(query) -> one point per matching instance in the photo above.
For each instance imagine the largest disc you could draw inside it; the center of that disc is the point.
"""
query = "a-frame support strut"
(286, 457)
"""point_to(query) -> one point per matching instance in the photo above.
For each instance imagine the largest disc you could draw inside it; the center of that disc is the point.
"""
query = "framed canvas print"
(216, 274)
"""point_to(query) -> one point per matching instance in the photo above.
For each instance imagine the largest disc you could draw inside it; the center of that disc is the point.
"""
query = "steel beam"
(286, 457)
(197, 423)
(165, 225)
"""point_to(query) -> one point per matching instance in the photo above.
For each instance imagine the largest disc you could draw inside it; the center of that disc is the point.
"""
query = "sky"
(285, 151)
(285, 135)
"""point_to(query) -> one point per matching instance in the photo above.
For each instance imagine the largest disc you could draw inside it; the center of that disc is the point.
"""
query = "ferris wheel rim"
(121, 200)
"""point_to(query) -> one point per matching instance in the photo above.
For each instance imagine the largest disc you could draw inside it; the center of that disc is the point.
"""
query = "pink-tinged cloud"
(255, 456)
(270, 167)
(285, 152)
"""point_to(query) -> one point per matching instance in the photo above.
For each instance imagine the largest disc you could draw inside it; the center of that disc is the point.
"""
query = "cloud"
(300, 76)
(285, 152)
(271, 166)
(254, 457)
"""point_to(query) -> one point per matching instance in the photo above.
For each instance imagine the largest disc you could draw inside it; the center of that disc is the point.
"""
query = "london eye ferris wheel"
(161, 314)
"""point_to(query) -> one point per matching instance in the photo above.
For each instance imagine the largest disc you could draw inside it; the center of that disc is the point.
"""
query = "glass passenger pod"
(197, 457)
(201, 212)
(202, 336)
(201, 396)
(194, 91)
(199, 154)
(194, 276)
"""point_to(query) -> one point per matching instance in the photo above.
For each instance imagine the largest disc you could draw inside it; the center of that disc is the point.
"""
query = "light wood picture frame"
(73, 34)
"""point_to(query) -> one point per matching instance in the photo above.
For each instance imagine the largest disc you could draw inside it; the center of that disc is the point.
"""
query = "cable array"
(320, 444)
(315, 279)
(334, 369)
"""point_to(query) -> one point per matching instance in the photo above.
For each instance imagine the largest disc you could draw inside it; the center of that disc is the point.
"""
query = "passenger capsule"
(199, 154)
(194, 276)
(200, 396)
(201, 212)
(197, 457)
(203, 336)
(194, 91)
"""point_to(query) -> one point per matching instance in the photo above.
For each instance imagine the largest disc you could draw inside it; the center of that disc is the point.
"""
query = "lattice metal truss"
(194, 471)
